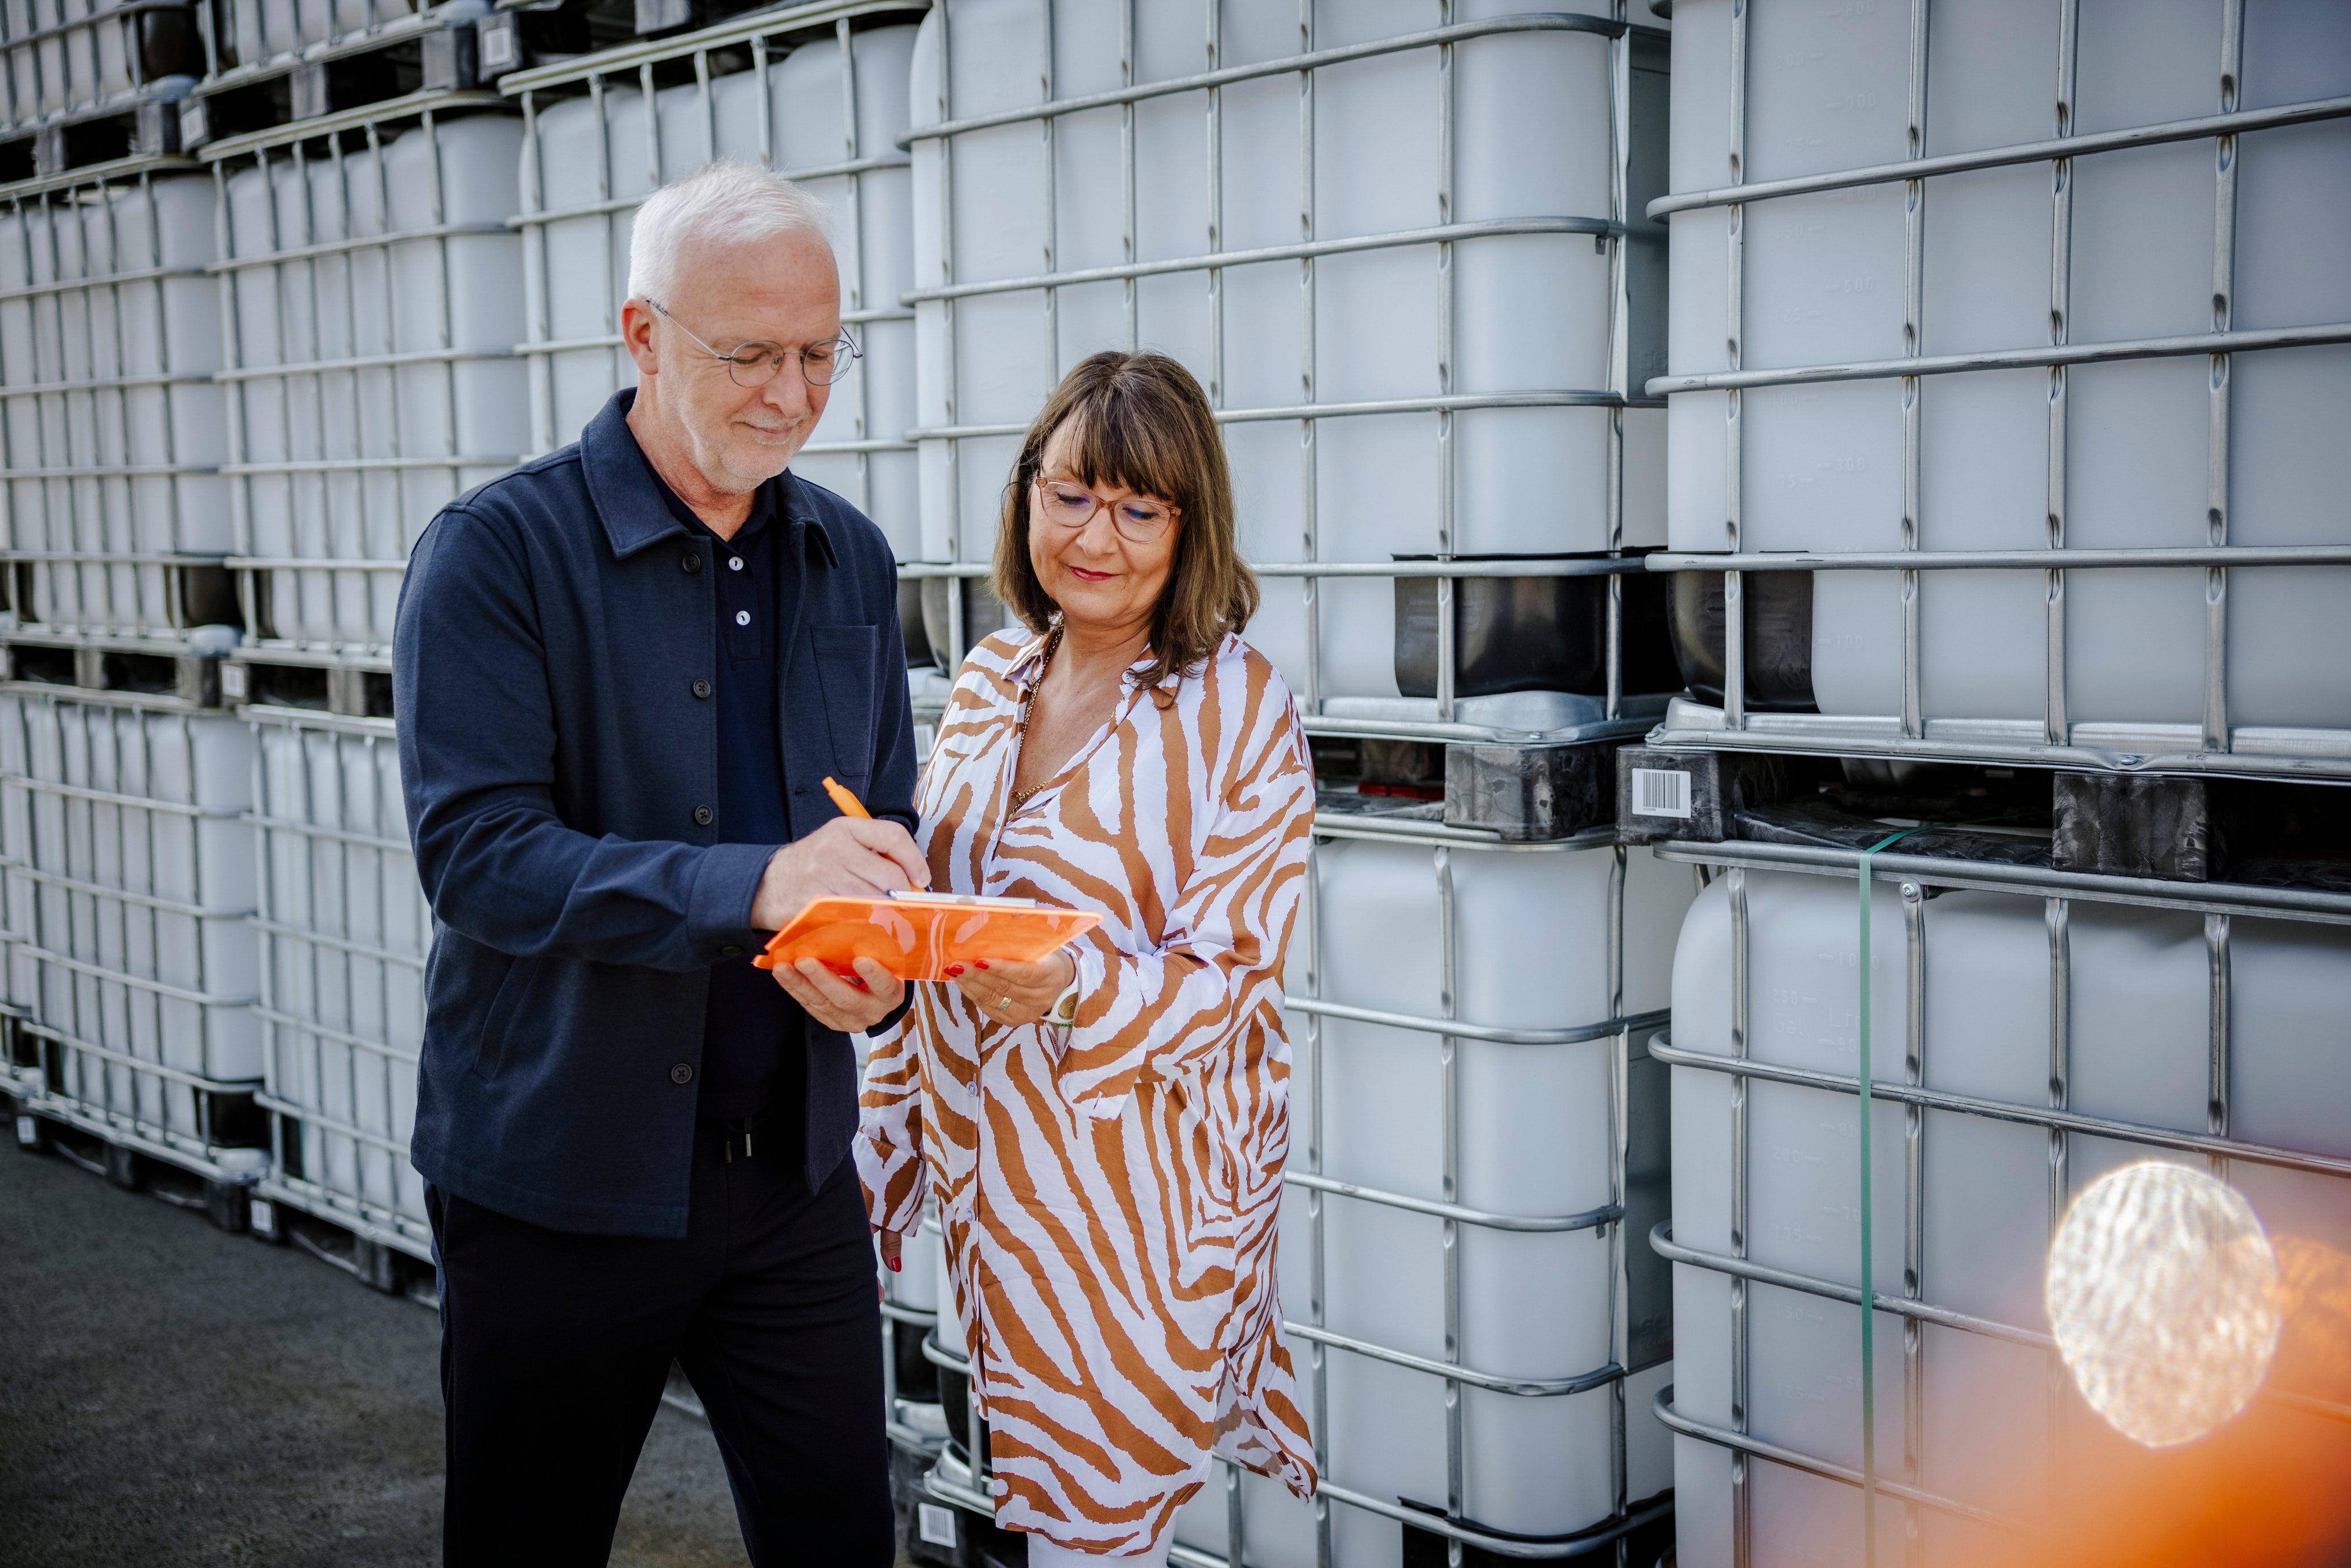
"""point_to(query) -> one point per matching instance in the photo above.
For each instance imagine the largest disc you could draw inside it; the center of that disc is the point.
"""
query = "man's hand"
(847, 1006)
(848, 857)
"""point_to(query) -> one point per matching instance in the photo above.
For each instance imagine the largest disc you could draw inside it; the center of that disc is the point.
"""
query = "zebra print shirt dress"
(1109, 1190)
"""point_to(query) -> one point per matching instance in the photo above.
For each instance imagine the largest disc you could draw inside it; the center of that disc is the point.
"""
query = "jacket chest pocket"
(848, 666)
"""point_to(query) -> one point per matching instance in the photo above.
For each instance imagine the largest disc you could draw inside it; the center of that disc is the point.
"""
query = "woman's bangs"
(1112, 441)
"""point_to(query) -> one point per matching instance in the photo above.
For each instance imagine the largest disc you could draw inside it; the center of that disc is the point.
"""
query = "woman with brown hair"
(1105, 1131)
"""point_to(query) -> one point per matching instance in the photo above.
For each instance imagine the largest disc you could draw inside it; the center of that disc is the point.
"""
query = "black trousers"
(555, 1348)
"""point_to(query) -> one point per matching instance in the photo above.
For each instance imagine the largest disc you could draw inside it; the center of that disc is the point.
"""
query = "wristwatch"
(1064, 1011)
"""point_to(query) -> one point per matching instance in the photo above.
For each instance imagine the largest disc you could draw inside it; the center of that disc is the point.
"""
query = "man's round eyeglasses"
(757, 364)
(1067, 506)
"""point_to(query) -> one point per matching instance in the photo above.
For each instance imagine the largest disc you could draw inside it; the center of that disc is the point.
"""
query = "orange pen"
(850, 805)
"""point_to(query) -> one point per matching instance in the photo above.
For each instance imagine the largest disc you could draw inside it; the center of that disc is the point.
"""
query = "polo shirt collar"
(629, 498)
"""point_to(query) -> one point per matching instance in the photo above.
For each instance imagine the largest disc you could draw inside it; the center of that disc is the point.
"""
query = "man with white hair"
(623, 673)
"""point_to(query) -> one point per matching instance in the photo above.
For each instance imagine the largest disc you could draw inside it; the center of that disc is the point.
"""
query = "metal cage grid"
(1914, 875)
(955, 1482)
(240, 47)
(1912, 733)
(106, 483)
(634, 65)
(90, 938)
(361, 552)
(1610, 229)
(343, 930)
(74, 59)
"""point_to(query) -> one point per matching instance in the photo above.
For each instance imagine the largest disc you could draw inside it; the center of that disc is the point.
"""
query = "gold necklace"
(1022, 797)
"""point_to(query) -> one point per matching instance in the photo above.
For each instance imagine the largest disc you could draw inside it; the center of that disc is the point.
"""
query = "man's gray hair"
(729, 203)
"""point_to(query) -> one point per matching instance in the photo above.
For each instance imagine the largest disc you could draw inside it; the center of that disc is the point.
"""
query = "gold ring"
(1004, 1002)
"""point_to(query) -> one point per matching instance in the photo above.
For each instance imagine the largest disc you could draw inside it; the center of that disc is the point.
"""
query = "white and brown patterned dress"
(1109, 1190)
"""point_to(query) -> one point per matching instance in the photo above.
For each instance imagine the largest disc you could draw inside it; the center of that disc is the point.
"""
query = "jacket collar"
(629, 501)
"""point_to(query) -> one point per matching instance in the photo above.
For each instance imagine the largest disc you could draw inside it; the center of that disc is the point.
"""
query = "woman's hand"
(1009, 992)
(835, 1003)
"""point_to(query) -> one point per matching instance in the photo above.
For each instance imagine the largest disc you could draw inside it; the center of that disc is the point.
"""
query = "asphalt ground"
(172, 1394)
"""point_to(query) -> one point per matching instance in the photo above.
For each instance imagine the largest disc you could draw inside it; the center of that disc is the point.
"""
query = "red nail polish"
(895, 1266)
(955, 969)
(981, 962)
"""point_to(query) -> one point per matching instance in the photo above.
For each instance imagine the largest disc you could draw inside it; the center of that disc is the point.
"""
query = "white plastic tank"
(2137, 1052)
(345, 929)
(112, 456)
(2139, 463)
(596, 158)
(131, 892)
(1532, 1137)
(1531, 312)
(418, 395)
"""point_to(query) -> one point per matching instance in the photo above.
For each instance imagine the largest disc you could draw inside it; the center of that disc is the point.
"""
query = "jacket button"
(730, 951)
(703, 815)
(693, 562)
(680, 1074)
(702, 688)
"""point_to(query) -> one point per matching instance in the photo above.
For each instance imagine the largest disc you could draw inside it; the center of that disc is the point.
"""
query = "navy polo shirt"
(752, 1052)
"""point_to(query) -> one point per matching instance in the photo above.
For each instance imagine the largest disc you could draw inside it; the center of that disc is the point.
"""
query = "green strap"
(1869, 1275)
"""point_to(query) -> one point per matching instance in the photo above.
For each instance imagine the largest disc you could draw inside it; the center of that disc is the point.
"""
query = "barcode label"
(934, 1524)
(1657, 792)
(498, 45)
(262, 1218)
(28, 1132)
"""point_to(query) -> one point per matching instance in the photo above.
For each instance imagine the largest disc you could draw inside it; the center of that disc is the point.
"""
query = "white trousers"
(1043, 1554)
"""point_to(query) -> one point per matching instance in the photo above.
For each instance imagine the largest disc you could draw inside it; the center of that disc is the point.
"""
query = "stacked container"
(2028, 321)
(2009, 352)
(820, 100)
(370, 296)
(343, 933)
(1420, 336)
(113, 431)
(128, 869)
(86, 68)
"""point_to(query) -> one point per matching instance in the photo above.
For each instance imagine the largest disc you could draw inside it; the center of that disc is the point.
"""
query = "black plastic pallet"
(141, 669)
(2188, 829)
(1514, 794)
(419, 56)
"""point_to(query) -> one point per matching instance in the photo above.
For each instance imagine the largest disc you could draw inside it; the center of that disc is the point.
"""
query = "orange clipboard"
(916, 936)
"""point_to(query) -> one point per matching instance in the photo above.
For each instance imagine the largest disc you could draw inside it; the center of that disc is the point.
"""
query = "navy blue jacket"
(558, 752)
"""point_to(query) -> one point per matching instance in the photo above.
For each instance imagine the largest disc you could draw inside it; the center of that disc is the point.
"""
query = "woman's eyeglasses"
(1067, 506)
(757, 364)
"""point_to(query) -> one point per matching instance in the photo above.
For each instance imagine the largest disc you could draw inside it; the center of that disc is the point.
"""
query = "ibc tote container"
(129, 870)
(2021, 1045)
(1968, 294)
(73, 58)
(344, 930)
(1476, 1145)
(1391, 241)
(111, 428)
(255, 33)
(374, 296)
(818, 100)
